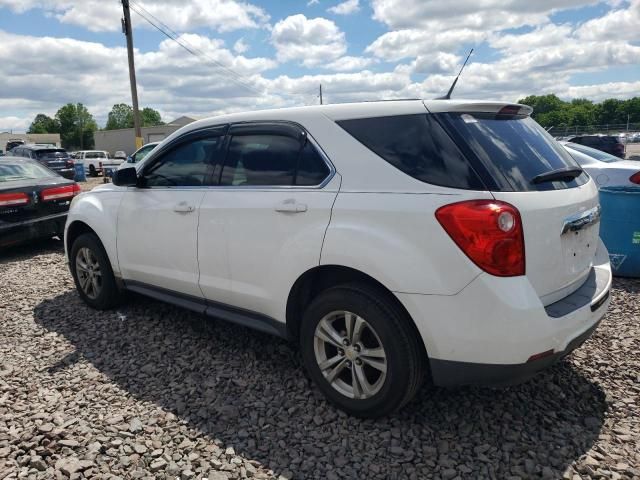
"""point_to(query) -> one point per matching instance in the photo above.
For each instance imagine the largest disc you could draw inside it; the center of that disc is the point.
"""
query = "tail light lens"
(58, 193)
(489, 232)
(100, 163)
(13, 199)
(70, 163)
(635, 178)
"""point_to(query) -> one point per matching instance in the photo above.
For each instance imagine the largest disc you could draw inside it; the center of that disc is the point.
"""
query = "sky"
(235, 55)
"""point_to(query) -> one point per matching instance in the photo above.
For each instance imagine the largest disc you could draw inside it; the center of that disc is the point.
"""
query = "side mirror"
(126, 177)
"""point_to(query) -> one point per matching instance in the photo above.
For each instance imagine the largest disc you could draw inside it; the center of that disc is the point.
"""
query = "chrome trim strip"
(578, 221)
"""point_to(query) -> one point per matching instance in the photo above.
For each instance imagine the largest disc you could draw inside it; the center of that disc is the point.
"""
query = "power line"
(196, 52)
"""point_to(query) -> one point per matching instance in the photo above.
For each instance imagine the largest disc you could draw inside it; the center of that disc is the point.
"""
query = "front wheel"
(361, 350)
(92, 273)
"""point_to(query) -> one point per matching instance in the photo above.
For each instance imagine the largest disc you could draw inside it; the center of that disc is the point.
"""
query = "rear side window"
(312, 170)
(418, 146)
(511, 150)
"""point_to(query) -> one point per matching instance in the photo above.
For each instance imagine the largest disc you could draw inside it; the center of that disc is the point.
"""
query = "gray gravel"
(152, 391)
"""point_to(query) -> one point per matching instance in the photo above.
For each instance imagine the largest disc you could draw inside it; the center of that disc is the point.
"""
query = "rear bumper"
(491, 331)
(13, 234)
(68, 173)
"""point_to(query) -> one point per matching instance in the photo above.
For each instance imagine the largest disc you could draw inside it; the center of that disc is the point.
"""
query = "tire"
(386, 388)
(92, 171)
(104, 293)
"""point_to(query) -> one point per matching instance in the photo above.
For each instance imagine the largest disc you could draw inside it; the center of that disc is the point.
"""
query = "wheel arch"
(317, 279)
(74, 230)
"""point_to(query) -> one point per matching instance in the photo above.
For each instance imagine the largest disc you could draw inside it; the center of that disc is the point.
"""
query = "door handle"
(291, 206)
(183, 207)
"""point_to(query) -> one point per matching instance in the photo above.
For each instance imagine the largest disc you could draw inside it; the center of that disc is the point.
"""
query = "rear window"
(418, 146)
(22, 171)
(593, 153)
(95, 155)
(51, 154)
(511, 150)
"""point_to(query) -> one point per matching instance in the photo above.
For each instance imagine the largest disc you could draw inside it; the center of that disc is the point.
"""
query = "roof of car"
(11, 159)
(42, 147)
(343, 111)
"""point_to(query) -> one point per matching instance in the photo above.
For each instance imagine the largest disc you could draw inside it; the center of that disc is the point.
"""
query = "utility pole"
(128, 31)
(320, 94)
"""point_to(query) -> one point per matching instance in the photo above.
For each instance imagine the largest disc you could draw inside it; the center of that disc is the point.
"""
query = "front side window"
(188, 164)
(261, 160)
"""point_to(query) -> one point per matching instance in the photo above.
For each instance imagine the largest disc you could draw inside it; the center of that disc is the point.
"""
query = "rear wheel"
(92, 171)
(92, 273)
(361, 351)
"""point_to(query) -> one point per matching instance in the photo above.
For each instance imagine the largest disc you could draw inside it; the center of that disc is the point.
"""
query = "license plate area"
(579, 247)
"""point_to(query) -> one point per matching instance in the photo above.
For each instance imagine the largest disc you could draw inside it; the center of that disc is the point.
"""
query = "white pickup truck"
(95, 160)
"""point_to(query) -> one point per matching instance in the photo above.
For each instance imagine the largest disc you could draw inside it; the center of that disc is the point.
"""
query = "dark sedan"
(34, 201)
(57, 159)
(605, 143)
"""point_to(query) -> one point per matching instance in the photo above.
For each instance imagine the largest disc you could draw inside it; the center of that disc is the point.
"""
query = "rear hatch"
(521, 164)
(55, 159)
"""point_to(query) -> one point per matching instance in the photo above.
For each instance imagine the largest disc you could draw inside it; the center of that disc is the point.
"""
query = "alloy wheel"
(350, 355)
(88, 273)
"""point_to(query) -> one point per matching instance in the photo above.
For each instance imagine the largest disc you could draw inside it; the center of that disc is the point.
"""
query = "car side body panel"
(99, 210)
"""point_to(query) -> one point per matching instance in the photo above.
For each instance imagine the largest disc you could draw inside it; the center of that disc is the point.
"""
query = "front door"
(158, 221)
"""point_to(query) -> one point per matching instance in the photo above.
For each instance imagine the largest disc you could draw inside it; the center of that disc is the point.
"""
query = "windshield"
(52, 154)
(513, 150)
(593, 153)
(23, 171)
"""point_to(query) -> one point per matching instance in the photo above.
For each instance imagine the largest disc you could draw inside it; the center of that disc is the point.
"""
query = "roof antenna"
(453, 85)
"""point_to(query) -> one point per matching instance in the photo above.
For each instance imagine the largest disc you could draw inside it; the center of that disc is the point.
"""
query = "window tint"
(95, 155)
(312, 169)
(59, 153)
(188, 164)
(512, 149)
(260, 160)
(23, 170)
(418, 146)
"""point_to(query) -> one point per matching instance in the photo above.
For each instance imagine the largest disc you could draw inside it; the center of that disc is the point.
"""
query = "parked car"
(385, 239)
(52, 157)
(120, 155)
(605, 143)
(13, 143)
(94, 161)
(138, 155)
(605, 169)
(34, 201)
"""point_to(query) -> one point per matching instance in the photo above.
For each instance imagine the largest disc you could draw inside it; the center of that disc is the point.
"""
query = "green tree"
(77, 126)
(44, 124)
(120, 116)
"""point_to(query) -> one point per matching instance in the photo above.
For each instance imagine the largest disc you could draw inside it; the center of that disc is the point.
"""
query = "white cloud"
(345, 8)
(439, 16)
(401, 44)
(445, 63)
(349, 64)
(312, 41)
(619, 24)
(240, 46)
(103, 15)
(312, 2)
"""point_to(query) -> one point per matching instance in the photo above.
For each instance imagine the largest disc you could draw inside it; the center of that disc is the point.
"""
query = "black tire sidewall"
(109, 295)
(381, 315)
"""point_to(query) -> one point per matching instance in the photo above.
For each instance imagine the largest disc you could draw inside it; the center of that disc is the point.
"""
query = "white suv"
(387, 239)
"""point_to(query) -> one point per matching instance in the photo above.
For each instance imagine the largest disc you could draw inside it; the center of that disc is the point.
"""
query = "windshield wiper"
(568, 173)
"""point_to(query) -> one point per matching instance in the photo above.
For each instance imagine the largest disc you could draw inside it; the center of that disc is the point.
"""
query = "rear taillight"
(70, 164)
(13, 199)
(100, 163)
(489, 232)
(635, 178)
(58, 193)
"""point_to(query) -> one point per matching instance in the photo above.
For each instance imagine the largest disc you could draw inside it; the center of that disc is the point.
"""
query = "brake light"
(509, 110)
(489, 232)
(635, 178)
(100, 163)
(57, 193)
(13, 199)
(70, 164)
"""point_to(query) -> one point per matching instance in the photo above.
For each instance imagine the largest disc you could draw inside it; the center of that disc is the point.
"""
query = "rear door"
(560, 213)
(273, 204)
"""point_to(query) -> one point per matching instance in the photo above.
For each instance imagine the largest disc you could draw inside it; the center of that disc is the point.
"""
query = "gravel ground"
(152, 391)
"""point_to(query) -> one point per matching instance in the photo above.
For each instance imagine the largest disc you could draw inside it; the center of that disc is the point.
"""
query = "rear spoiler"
(462, 106)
